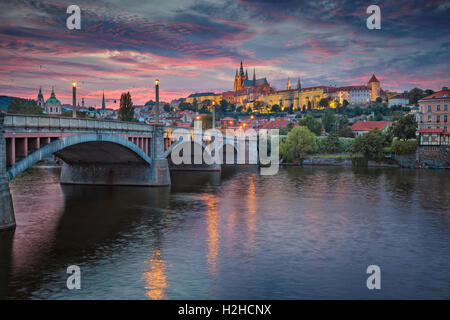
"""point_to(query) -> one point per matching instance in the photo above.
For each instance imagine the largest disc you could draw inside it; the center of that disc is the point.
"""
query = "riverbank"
(348, 160)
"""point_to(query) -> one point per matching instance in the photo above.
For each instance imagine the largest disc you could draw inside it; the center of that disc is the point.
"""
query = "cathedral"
(243, 86)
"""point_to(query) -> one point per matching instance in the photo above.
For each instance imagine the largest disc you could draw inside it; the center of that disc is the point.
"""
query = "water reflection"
(212, 221)
(304, 233)
(155, 277)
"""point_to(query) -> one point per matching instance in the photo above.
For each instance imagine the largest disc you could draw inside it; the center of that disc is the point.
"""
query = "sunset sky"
(196, 45)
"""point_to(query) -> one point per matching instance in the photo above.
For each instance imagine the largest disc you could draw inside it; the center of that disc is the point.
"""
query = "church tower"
(289, 84)
(240, 78)
(374, 87)
(299, 85)
(40, 98)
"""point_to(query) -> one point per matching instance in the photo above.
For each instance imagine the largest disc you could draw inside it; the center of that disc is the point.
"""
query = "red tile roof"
(438, 95)
(373, 79)
(431, 130)
(369, 125)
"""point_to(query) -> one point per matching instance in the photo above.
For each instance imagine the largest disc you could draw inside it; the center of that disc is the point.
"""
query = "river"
(305, 233)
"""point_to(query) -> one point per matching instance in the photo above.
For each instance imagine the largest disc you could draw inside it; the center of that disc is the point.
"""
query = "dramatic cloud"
(194, 45)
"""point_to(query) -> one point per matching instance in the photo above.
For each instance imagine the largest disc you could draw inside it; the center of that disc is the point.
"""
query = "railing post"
(7, 220)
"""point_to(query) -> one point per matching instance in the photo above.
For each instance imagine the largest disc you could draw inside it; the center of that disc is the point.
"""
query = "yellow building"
(200, 97)
(299, 99)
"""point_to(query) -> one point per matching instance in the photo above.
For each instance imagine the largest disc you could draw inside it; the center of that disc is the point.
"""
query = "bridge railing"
(51, 122)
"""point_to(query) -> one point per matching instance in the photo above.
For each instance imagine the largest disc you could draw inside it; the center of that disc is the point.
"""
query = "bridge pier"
(7, 219)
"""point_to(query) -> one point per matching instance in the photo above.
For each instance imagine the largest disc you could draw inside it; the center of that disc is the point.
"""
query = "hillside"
(4, 101)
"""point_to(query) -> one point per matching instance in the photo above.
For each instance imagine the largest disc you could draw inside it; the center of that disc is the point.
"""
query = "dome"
(53, 100)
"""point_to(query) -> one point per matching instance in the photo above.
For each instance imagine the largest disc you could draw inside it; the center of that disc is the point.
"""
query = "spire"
(241, 71)
(53, 93)
(299, 85)
(246, 73)
(289, 85)
(103, 101)
(236, 72)
(254, 77)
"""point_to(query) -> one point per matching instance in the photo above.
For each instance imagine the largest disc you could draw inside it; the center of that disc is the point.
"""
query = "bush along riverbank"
(395, 146)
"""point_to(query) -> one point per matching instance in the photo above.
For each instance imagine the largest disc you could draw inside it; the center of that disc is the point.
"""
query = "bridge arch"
(80, 148)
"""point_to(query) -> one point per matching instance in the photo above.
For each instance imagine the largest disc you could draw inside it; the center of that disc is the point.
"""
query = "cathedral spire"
(289, 85)
(241, 71)
(254, 77)
(53, 92)
(299, 85)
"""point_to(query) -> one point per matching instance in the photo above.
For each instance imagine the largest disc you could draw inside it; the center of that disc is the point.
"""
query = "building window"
(445, 107)
(438, 118)
(438, 107)
(429, 108)
(445, 118)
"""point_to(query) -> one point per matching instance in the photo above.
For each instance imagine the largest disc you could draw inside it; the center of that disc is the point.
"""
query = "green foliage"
(400, 147)
(334, 145)
(416, 94)
(405, 128)
(300, 141)
(284, 131)
(370, 144)
(186, 106)
(313, 125)
(207, 122)
(19, 106)
(126, 110)
(329, 121)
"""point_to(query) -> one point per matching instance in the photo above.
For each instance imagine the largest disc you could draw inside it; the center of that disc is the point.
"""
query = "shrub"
(400, 147)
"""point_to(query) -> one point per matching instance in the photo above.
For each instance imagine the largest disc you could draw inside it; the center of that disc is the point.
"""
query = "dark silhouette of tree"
(126, 110)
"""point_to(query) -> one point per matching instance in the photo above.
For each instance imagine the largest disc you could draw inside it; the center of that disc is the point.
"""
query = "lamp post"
(213, 114)
(157, 101)
(74, 99)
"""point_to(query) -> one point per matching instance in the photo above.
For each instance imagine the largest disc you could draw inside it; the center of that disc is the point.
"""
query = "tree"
(345, 103)
(332, 143)
(207, 122)
(312, 124)
(275, 108)
(126, 110)
(324, 102)
(329, 121)
(405, 128)
(370, 144)
(19, 106)
(379, 100)
(167, 108)
(300, 141)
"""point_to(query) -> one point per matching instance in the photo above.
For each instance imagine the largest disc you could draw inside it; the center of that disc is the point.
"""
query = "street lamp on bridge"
(74, 99)
(213, 114)
(157, 101)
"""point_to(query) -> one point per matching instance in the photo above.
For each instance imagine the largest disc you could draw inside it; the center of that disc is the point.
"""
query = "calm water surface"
(306, 233)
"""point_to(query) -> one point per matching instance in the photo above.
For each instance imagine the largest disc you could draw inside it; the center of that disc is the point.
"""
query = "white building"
(398, 100)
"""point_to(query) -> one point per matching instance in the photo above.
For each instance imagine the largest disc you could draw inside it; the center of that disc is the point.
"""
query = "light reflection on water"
(305, 233)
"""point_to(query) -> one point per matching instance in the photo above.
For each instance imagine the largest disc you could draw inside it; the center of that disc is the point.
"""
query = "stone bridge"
(103, 152)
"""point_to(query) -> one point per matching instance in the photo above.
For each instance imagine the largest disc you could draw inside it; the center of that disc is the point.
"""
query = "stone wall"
(435, 156)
